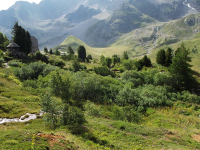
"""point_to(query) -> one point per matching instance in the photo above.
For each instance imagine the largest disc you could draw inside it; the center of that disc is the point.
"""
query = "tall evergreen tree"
(3, 42)
(22, 38)
(81, 53)
(51, 51)
(125, 55)
(180, 67)
(146, 61)
(161, 57)
(70, 50)
(45, 50)
(57, 52)
(169, 57)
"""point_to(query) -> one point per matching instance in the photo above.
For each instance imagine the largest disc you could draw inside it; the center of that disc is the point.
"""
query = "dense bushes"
(15, 63)
(57, 62)
(33, 70)
(94, 87)
(143, 97)
(103, 71)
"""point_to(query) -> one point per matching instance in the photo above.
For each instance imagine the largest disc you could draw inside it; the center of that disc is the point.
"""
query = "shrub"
(30, 83)
(73, 116)
(40, 56)
(103, 71)
(1, 62)
(118, 113)
(164, 79)
(188, 97)
(51, 109)
(76, 66)
(32, 71)
(15, 63)
(57, 62)
(1, 53)
(92, 109)
(7, 58)
(144, 97)
(132, 115)
(133, 76)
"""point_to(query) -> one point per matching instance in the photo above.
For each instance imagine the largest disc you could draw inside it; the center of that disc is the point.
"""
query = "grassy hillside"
(97, 52)
(175, 127)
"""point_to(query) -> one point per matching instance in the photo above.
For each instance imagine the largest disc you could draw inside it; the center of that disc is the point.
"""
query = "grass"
(97, 52)
(163, 128)
(177, 127)
(15, 100)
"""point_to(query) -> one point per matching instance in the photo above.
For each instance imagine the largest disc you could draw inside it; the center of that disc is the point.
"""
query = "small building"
(14, 49)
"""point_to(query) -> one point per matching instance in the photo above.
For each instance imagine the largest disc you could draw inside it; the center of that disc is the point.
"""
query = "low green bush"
(104, 71)
(92, 109)
(1, 62)
(33, 70)
(15, 63)
(57, 62)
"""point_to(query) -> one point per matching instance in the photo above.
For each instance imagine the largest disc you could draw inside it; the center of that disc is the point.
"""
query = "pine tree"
(51, 51)
(70, 50)
(45, 50)
(146, 61)
(22, 38)
(125, 55)
(161, 57)
(81, 53)
(169, 57)
(57, 52)
(180, 67)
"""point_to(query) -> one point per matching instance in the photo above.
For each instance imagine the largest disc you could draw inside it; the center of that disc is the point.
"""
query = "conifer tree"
(160, 57)
(70, 50)
(169, 57)
(22, 38)
(125, 55)
(180, 67)
(81, 53)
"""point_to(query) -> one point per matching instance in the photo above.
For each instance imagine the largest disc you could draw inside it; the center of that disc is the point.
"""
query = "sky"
(5, 4)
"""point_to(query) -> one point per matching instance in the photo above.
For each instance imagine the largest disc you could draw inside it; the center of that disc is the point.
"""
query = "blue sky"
(5, 4)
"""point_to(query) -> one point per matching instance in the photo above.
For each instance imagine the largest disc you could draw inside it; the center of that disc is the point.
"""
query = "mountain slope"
(125, 19)
(82, 14)
(135, 14)
(97, 52)
(46, 21)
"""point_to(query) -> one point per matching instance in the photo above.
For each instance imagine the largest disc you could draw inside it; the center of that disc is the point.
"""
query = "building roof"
(13, 45)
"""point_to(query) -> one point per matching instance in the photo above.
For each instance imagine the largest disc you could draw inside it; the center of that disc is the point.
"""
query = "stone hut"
(34, 45)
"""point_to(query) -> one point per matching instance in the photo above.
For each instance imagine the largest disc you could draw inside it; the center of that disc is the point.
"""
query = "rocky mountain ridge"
(98, 23)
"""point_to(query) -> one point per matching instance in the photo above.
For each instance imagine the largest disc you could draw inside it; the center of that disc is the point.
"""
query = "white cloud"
(5, 4)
